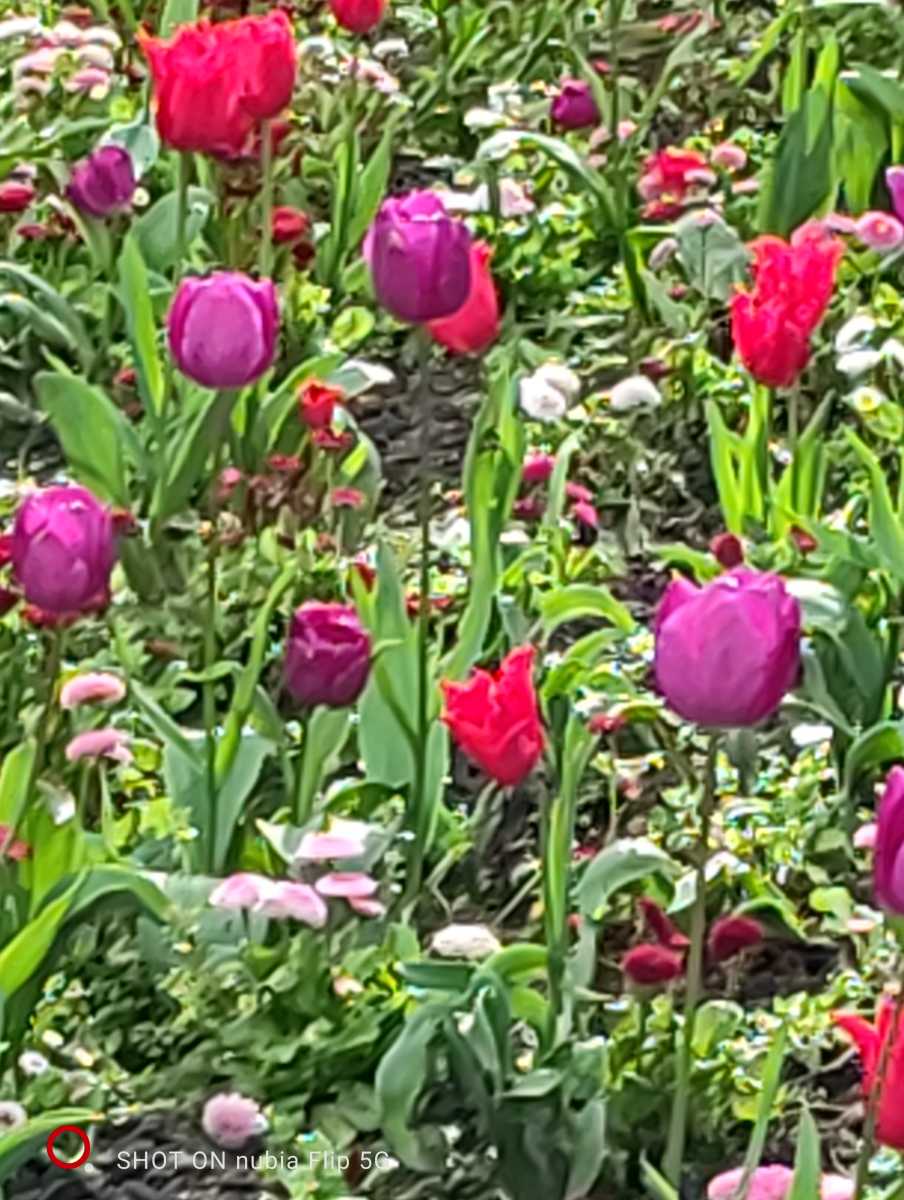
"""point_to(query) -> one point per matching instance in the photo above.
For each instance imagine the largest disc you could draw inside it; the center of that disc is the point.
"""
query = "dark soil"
(116, 1169)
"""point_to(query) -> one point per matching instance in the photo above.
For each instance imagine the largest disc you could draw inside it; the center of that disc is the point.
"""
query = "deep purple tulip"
(728, 652)
(894, 181)
(419, 257)
(889, 863)
(223, 328)
(574, 107)
(63, 549)
(103, 183)
(327, 655)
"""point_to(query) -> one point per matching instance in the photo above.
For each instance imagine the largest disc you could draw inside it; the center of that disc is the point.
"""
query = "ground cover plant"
(451, 566)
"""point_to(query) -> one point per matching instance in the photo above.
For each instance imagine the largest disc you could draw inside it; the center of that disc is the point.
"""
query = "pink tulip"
(365, 907)
(296, 901)
(774, 1183)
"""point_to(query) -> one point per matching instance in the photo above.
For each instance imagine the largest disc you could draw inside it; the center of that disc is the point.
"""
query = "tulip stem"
(301, 808)
(266, 246)
(42, 734)
(875, 1099)
(793, 435)
(419, 810)
(674, 1154)
(185, 165)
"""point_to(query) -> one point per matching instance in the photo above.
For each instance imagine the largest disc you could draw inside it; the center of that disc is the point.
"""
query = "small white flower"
(854, 333)
(391, 47)
(562, 378)
(810, 735)
(858, 362)
(465, 941)
(12, 1115)
(20, 27)
(541, 400)
(867, 399)
(637, 391)
(32, 1063)
(894, 350)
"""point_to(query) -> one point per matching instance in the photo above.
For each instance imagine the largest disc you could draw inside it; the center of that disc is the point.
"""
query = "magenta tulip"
(103, 183)
(327, 655)
(894, 181)
(419, 258)
(223, 329)
(574, 107)
(63, 549)
(728, 652)
(889, 865)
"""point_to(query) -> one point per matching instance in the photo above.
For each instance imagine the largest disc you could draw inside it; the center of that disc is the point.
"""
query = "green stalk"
(302, 804)
(42, 736)
(266, 243)
(419, 818)
(185, 165)
(674, 1154)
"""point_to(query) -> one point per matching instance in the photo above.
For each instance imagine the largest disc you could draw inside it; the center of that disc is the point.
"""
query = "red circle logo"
(79, 1133)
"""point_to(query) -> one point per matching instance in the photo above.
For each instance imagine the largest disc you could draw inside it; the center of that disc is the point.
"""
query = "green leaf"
(492, 475)
(885, 526)
(807, 1161)
(625, 861)
(881, 744)
(800, 178)
(371, 186)
(712, 253)
(141, 139)
(325, 737)
(178, 12)
(401, 1077)
(772, 1075)
(584, 600)
(195, 447)
(92, 431)
(234, 792)
(588, 1151)
(20, 1144)
(15, 776)
(134, 289)
(157, 230)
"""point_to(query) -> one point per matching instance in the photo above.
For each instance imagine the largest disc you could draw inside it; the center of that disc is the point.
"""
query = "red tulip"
(871, 1042)
(15, 197)
(317, 402)
(495, 720)
(289, 225)
(358, 16)
(731, 935)
(793, 282)
(650, 964)
(727, 549)
(214, 83)
(475, 325)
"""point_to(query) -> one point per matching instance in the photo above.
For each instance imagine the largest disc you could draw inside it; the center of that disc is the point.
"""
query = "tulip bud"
(660, 926)
(419, 257)
(63, 549)
(289, 225)
(575, 107)
(327, 655)
(223, 328)
(727, 653)
(729, 936)
(103, 183)
(889, 866)
(538, 468)
(15, 197)
(649, 965)
(727, 549)
(358, 16)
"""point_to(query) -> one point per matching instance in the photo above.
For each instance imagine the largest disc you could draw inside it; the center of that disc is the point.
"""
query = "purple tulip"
(419, 257)
(727, 653)
(894, 181)
(63, 549)
(103, 183)
(223, 328)
(574, 107)
(327, 655)
(889, 864)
